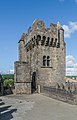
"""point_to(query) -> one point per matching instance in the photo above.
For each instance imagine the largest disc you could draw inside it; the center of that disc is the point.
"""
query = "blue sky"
(17, 15)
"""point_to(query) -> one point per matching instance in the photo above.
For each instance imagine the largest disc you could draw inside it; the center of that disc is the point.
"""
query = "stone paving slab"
(36, 107)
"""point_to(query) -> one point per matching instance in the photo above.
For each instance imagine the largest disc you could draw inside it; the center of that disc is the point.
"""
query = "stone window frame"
(46, 61)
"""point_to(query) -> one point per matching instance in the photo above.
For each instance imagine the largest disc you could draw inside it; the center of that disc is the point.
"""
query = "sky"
(16, 16)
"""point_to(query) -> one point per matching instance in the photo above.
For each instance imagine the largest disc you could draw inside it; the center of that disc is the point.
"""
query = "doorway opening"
(33, 84)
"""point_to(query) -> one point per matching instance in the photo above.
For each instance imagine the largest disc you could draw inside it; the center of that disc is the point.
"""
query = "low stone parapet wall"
(60, 94)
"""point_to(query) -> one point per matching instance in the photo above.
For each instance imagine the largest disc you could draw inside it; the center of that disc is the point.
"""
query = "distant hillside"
(8, 76)
(71, 77)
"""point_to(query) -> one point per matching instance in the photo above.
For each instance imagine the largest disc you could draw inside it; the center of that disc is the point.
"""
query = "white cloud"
(75, 65)
(70, 28)
(66, 31)
(11, 71)
(69, 61)
(7, 72)
(69, 57)
(71, 71)
(71, 65)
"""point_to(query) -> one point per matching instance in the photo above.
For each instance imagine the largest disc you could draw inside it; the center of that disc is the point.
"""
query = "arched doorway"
(33, 84)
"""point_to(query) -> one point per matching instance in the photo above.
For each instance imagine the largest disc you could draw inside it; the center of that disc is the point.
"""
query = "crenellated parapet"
(38, 24)
(39, 35)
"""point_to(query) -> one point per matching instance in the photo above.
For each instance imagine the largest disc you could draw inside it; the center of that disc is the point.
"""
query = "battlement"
(39, 26)
(38, 34)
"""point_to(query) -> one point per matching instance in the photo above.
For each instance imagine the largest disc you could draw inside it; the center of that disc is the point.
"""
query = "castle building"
(42, 54)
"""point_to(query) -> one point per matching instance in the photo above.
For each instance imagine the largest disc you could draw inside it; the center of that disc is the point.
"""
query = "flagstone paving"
(35, 107)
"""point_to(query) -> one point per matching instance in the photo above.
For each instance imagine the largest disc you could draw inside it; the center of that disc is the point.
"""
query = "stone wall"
(61, 94)
(22, 77)
(23, 88)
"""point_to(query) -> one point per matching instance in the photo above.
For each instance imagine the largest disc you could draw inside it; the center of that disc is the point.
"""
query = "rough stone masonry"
(42, 54)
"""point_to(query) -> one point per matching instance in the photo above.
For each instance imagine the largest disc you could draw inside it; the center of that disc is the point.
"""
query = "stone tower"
(41, 57)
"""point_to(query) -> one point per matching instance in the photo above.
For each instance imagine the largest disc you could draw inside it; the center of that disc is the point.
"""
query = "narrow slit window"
(44, 60)
(48, 60)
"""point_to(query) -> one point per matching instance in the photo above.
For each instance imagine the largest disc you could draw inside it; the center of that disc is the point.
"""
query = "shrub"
(9, 82)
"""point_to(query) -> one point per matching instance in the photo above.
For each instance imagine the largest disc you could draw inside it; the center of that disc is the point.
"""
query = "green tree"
(9, 82)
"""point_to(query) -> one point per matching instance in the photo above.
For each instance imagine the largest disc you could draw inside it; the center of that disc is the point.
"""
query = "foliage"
(8, 76)
(71, 77)
(9, 82)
